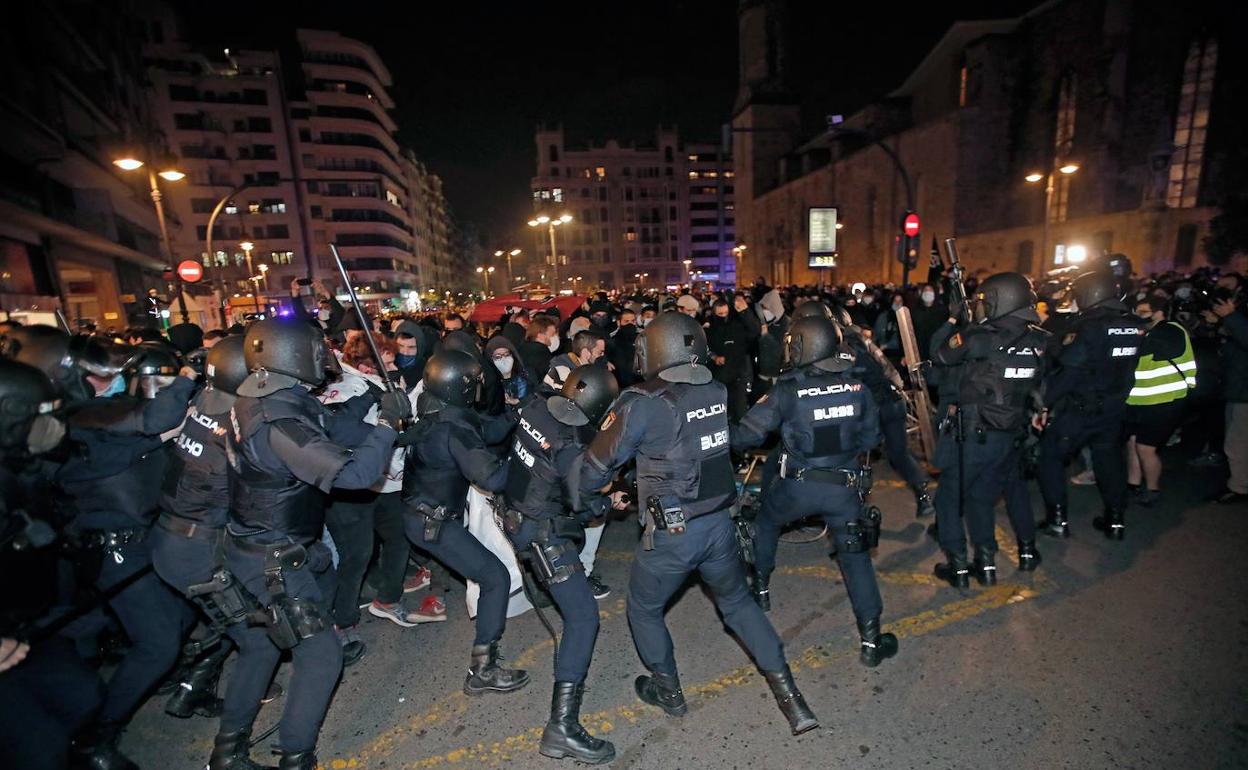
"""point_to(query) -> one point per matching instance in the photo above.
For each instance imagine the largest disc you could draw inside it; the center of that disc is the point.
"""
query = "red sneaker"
(432, 610)
(420, 580)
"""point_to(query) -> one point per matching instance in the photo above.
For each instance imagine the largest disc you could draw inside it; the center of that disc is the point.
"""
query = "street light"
(551, 224)
(485, 277)
(264, 274)
(688, 272)
(170, 174)
(1066, 169)
(509, 254)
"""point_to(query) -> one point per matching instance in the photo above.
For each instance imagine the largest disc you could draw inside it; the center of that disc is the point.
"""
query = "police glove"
(394, 408)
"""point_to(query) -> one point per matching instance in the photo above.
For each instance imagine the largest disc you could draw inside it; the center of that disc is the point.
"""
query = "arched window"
(1191, 123)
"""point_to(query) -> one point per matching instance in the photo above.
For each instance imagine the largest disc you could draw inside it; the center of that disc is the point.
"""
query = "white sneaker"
(1085, 479)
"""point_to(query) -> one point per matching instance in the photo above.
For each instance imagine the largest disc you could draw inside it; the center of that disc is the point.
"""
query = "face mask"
(322, 315)
(768, 316)
(896, 305)
(118, 385)
(403, 361)
(929, 297)
(867, 299)
(721, 318)
(45, 434)
(504, 365)
(600, 320)
(553, 344)
(1183, 292)
(643, 322)
(1141, 294)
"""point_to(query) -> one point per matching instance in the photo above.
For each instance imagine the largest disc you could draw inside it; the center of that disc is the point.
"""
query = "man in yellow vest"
(1165, 373)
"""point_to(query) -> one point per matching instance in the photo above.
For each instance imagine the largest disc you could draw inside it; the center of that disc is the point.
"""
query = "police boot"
(876, 647)
(485, 673)
(564, 736)
(1111, 524)
(98, 749)
(954, 571)
(985, 565)
(297, 760)
(232, 751)
(923, 501)
(1055, 524)
(662, 690)
(792, 704)
(197, 690)
(762, 592)
(1028, 556)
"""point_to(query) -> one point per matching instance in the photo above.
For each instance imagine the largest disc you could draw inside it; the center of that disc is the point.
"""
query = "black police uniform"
(997, 368)
(825, 421)
(107, 488)
(282, 462)
(1093, 371)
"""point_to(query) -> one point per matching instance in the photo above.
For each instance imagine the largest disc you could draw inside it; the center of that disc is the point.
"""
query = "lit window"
(230, 208)
(253, 207)
(693, 157)
(392, 198)
(558, 194)
(729, 175)
(600, 172)
(962, 86)
(630, 234)
(1191, 124)
(693, 175)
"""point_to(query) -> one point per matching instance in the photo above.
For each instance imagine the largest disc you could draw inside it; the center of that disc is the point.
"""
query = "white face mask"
(504, 364)
(322, 315)
(553, 344)
(867, 299)
(929, 297)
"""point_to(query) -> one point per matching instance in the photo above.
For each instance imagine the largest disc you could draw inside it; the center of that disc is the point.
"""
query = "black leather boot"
(1111, 524)
(1056, 524)
(297, 760)
(197, 690)
(954, 571)
(485, 673)
(792, 704)
(232, 751)
(564, 736)
(663, 691)
(985, 566)
(876, 647)
(762, 591)
(923, 502)
(98, 749)
(1028, 556)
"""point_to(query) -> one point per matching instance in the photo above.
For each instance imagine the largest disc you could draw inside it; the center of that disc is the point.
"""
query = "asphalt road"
(1125, 654)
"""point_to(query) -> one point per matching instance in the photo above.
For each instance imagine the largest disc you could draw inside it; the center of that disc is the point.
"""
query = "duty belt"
(248, 546)
(839, 477)
(108, 539)
(193, 530)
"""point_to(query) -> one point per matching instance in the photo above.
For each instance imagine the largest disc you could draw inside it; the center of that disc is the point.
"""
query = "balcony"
(355, 132)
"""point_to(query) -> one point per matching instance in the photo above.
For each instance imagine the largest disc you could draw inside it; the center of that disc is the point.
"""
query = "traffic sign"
(190, 271)
(911, 224)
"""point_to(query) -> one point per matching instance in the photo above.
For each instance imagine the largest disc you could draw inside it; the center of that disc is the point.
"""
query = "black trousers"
(44, 700)
(350, 519)
(392, 563)
(1072, 431)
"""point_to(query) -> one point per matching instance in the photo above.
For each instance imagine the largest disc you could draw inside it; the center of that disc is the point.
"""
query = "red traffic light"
(910, 224)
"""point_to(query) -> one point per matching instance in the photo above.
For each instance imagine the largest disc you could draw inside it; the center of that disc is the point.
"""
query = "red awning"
(494, 308)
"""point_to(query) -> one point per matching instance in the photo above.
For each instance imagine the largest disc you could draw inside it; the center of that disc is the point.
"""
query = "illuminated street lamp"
(264, 274)
(485, 277)
(551, 224)
(688, 272)
(1065, 169)
(509, 254)
(169, 174)
(641, 278)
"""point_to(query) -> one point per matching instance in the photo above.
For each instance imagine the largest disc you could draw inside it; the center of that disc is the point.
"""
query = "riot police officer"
(448, 454)
(826, 419)
(547, 442)
(997, 363)
(676, 424)
(1085, 401)
(187, 539)
(106, 487)
(281, 461)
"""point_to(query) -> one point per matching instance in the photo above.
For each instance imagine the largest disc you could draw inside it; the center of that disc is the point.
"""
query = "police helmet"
(281, 353)
(225, 366)
(1005, 294)
(46, 348)
(26, 395)
(154, 367)
(586, 395)
(1091, 289)
(453, 377)
(816, 341)
(812, 307)
(673, 347)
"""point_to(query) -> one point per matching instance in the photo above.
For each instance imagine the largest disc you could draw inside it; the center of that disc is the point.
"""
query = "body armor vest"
(197, 485)
(696, 471)
(1114, 339)
(108, 481)
(264, 495)
(432, 475)
(534, 486)
(997, 381)
(822, 430)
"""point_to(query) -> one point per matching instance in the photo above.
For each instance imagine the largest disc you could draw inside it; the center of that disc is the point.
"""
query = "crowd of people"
(249, 491)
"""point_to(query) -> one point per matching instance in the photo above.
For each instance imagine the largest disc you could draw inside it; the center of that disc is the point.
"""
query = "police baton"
(359, 313)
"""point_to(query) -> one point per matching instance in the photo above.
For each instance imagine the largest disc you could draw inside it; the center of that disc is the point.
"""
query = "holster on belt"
(433, 520)
(288, 620)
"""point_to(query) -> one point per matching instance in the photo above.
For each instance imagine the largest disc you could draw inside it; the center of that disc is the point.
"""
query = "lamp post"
(641, 279)
(551, 224)
(509, 254)
(1065, 169)
(485, 277)
(264, 276)
(169, 174)
(688, 272)
(247, 246)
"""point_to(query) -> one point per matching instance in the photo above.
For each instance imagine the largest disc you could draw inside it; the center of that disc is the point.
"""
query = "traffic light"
(908, 240)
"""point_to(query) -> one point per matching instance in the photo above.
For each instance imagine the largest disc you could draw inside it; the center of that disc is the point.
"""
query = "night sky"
(473, 79)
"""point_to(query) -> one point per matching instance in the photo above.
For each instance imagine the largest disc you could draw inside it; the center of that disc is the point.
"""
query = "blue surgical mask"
(118, 385)
(403, 361)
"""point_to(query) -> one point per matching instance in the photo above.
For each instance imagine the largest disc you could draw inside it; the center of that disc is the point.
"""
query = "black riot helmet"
(46, 348)
(673, 347)
(64, 359)
(1005, 294)
(812, 307)
(1091, 289)
(586, 395)
(816, 341)
(453, 377)
(28, 401)
(280, 354)
(225, 366)
(154, 368)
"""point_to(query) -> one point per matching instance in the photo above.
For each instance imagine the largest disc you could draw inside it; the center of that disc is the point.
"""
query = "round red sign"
(190, 271)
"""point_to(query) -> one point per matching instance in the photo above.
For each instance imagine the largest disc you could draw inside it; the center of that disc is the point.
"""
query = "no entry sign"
(190, 271)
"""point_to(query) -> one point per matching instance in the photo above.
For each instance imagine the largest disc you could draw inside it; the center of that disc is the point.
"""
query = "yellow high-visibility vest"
(1160, 381)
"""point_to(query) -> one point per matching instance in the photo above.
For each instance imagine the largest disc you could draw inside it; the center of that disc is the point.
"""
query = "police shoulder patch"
(955, 341)
(608, 421)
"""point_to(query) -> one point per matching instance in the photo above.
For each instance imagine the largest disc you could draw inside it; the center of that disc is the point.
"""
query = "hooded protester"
(505, 358)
